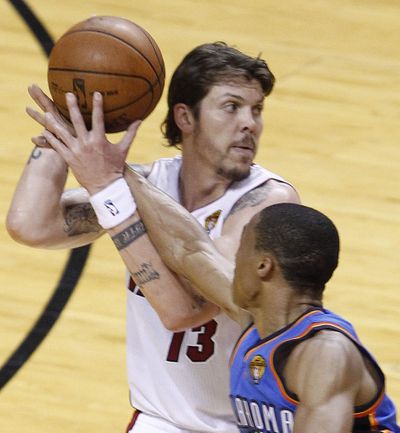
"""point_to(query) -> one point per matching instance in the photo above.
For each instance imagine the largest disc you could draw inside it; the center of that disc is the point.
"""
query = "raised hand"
(94, 160)
(47, 106)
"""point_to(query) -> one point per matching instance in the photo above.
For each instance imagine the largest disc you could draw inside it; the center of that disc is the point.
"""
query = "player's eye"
(258, 109)
(231, 107)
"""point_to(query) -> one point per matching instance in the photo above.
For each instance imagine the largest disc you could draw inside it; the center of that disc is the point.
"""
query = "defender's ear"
(184, 118)
(265, 267)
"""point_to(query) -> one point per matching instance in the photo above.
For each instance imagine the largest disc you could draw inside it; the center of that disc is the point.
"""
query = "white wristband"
(113, 204)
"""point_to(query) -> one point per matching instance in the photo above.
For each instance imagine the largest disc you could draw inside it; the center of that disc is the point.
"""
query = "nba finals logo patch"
(257, 368)
(211, 220)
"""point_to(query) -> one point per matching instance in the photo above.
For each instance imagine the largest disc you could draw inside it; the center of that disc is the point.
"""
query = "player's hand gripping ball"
(115, 57)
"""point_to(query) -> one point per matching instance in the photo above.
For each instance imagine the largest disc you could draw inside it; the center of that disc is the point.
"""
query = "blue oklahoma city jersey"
(259, 398)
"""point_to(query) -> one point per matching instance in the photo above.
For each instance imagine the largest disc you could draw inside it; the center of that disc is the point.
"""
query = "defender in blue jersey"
(297, 368)
(260, 398)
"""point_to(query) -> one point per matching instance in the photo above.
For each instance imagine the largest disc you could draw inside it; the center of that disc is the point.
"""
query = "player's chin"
(241, 168)
(238, 173)
(235, 169)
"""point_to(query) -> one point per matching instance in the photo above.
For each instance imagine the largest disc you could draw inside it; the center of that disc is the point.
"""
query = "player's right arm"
(176, 304)
(42, 215)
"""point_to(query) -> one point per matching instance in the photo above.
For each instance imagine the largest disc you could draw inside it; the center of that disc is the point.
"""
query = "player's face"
(246, 282)
(229, 127)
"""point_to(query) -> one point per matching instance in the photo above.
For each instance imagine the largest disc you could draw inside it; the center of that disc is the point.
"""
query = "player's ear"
(184, 118)
(264, 268)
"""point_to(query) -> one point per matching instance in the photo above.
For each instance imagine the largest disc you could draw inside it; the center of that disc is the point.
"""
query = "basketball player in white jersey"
(178, 344)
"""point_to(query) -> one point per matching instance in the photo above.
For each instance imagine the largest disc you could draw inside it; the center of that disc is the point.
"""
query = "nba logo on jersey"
(257, 368)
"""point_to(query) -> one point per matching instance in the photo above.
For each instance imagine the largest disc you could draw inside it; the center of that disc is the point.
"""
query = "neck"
(199, 186)
(276, 314)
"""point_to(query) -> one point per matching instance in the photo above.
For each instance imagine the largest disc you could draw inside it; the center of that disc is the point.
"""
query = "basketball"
(115, 57)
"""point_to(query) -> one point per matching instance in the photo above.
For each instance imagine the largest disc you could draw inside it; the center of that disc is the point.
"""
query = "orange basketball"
(115, 57)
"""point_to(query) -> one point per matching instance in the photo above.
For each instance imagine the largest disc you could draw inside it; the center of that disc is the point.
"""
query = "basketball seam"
(160, 60)
(119, 39)
(150, 90)
(120, 107)
(88, 71)
(147, 111)
(150, 84)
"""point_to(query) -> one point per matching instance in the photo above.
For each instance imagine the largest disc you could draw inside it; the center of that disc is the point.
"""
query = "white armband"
(113, 204)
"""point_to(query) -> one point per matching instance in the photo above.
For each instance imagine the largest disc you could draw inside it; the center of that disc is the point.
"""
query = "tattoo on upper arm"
(252, 198)
(80, 218)
(36, 154)
(145, 274)
(129, 234)
(256, 196)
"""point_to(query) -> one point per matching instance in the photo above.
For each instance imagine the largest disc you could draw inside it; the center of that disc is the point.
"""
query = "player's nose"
(247, 120)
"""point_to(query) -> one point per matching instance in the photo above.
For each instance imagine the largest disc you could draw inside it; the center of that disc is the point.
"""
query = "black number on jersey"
(204, 348)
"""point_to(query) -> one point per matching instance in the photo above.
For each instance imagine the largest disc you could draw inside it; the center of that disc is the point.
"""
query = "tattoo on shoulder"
(253, 197)
(36, 154)
(129, 235)
(145, 274)
(80, 218)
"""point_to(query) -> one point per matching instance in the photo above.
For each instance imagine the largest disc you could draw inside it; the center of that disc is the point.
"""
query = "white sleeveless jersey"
(184, 377)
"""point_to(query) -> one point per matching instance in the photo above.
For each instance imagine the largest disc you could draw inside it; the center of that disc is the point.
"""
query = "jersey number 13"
(204, 348)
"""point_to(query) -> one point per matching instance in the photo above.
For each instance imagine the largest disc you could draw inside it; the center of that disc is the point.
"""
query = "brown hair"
(202, 68)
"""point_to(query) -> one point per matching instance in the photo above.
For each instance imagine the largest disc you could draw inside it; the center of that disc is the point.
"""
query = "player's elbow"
(182, 321)
(22, 231)
(177, 322)
(172, 324)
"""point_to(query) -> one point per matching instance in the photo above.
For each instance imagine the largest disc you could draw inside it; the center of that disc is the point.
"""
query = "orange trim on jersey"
(372, 419)
(272, 339)
(233, 354)
(305, 332)
(370, 411)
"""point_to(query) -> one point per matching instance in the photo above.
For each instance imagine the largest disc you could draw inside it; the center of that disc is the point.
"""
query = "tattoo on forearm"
(36, 153)
(79, 219)
(146, 274)
(129, 235)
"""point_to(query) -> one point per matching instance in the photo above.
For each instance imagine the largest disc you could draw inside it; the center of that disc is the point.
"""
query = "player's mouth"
(245, 147)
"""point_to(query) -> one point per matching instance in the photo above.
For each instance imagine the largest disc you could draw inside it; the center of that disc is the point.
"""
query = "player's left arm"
(186, 248)
(325, 372)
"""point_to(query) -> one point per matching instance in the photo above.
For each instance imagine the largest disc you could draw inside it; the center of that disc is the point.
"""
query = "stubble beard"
(229, 171)
(233, 174)
(236, 173)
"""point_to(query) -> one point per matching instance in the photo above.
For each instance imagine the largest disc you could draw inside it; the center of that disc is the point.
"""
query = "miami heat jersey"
(259, 398)
(183, 377)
